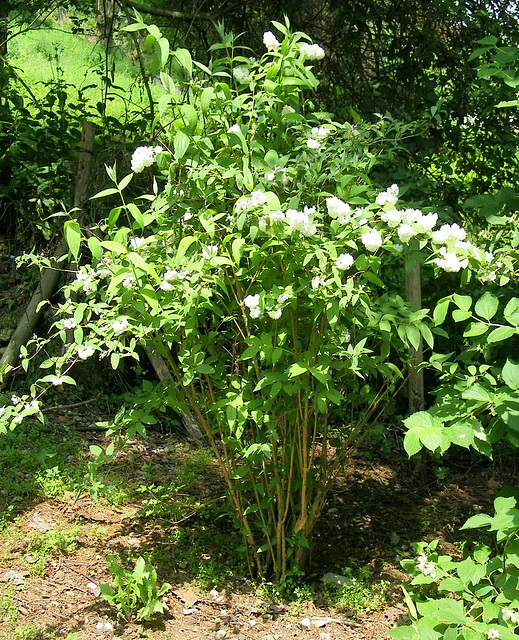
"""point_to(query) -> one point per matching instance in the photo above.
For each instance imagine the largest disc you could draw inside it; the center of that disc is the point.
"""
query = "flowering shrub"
(256, 272)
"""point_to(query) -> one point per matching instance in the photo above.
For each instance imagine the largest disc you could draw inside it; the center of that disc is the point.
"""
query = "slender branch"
(168, 13)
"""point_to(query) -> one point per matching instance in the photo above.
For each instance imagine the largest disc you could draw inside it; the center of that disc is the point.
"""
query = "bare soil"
(377, 509)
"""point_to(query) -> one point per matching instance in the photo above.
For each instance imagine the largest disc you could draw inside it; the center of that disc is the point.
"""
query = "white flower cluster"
(241, 74)
(170, 276)
(86, 279)
(338, 209)
(270, 40)
(271, 175)
(493, 634)
(344, 261)
(426, 567)
(312, 143)
(372, 240)
(252, 302)
(509, 614)
(301, 221)
(320, 132)
(120, 325)
(235, 128)
(449, 261)
(449, 234)
(144, 157)
(257, 199)
(311, 51)
(390, 196)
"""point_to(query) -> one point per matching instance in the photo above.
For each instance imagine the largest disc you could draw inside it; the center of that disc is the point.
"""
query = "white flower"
(311, 51)
(389, 196)
(320, 132)
(241, 74)
(2, 410)
(209, 252)
(372, 240)
(32, 405)
(493, 634)
(462, 244)
(69, 323)
(405, 232)
(449, 233)
(392, 217)
(277, 314)
(120, 325)
(301, 221)
(129, 281)
(339, 209)
(398, 247)
(489, 256)
(344, 261)
(15, 399)
(313, 144)
(56, 381)
(252, 301)
(257, 199)
(427, 222)
(427, 568)
(18, 419)
(255, 312)
(450, 262)
(135, 243)
(318, 282)
(234, 129)
(509, 614)
(287, 109)
(85, 352)
(270, 40)
(283, 297)
(411, 216)
(143, 157)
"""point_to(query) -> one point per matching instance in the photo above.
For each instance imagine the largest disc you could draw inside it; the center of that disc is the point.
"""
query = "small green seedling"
(134, 594)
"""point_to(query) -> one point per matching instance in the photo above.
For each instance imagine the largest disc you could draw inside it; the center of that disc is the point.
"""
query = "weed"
(8, 609)
(358, 596)
(30, 632)
(134, 594)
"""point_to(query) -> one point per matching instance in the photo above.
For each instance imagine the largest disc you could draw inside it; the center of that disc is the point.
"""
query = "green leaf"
(463, 302)
(163, 51)
(487, 306)
(72, 232)
(511, 311)
(501, 333)
(477, 392)
(479, 520)
(510, 374)
(95, 248)
(412, 443)
(296, 369)
(106, 192)
(458, 315)
(180, 145)
(125, 181)
(475, 329)
(184, 59)
(206, 99)
(440, 311)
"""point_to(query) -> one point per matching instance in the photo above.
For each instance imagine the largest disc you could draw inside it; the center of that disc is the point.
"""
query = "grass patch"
(52, 53)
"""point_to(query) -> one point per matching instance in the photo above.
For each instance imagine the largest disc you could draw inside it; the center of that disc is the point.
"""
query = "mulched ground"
(376, 510)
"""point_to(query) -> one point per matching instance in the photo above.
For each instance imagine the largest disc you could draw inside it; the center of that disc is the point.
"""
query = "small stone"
(188, 612)
(94, 589)
(14, 577)
(320, 622)
(221, 634)
(336, 579)
(305, 623)
(324, 635)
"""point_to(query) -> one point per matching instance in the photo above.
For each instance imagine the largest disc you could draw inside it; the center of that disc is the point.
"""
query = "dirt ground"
(375, 511)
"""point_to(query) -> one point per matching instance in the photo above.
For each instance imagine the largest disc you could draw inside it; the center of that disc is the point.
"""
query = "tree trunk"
(50, 277)
(413, 288)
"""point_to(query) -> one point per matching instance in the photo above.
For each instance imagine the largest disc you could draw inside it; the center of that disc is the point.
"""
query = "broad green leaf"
(296, 369)
(479, 520)
(463, 302)
(476, 329)
(487, 306)
(412, 443)
(125, 181)
(95, 248)
(477, 392)
(510, 374)
(73, 237)
(501, 333)
(184, 59)
(458, 315)
(440, 311)
(106, 192)
(180, 145)
(114, 247)
(431, 438)
(511, 311)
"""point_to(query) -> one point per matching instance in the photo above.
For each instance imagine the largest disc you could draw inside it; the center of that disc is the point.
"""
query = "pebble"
(221, 634)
